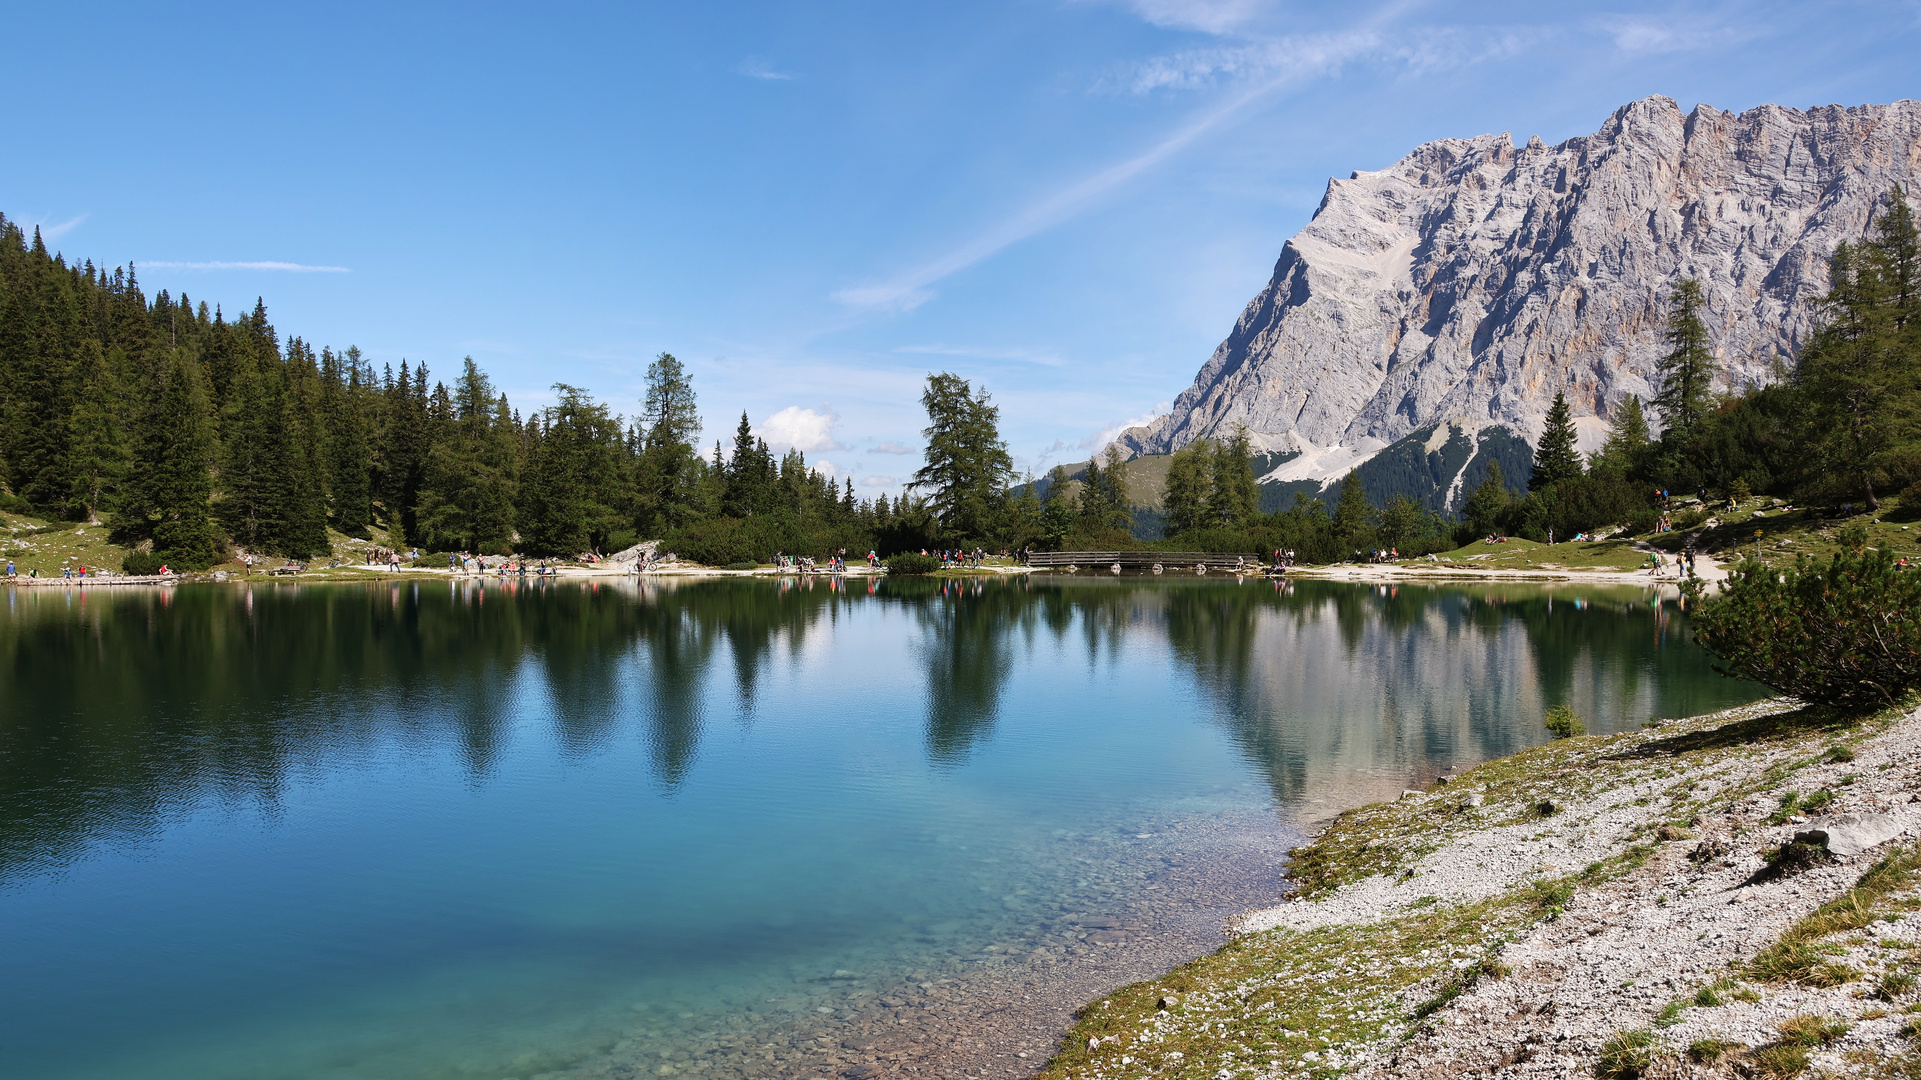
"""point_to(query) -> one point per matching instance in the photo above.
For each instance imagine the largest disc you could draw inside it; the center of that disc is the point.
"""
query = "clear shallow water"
(444, 829)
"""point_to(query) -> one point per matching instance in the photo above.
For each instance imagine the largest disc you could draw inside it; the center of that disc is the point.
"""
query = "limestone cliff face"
(1471, 280)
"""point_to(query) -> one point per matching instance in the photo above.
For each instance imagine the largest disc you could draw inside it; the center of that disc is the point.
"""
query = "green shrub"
(141, 563)
(744, 564)
(1848, 633)
(911, 562)
(1563, 723)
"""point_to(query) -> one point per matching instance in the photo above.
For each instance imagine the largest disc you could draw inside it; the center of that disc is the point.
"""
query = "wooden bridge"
(1146, 560)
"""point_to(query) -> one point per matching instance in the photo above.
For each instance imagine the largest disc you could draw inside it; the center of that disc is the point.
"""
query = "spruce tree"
(1487, 503)
(1627, 436)
(1555, 459)
(1353, 516)
(1687, 371)
(177, 456)
(97, 452)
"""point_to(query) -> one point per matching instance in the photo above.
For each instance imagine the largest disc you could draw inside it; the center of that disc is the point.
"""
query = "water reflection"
(125, 705)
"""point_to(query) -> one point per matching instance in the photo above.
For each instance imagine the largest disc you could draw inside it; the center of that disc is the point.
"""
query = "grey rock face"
(1472, 280)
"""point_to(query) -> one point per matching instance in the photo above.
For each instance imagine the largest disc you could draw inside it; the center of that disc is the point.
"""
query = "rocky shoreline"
(1719, 896)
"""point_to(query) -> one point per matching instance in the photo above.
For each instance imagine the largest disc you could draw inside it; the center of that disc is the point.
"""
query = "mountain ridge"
(1471, 280)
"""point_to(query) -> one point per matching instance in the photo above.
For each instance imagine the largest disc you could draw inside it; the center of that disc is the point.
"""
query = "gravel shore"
(1720, 896)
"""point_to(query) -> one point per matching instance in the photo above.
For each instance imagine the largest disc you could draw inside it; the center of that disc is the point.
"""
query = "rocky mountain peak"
(1473, 279)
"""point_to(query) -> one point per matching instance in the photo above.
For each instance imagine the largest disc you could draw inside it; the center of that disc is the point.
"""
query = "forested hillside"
(194, 432)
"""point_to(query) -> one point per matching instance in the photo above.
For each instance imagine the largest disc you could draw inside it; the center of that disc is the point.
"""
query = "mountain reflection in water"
(127, 704)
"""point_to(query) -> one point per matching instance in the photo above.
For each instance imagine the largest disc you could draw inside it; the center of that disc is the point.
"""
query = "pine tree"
(1687, 371)
(1190, 489)
(1555, 459)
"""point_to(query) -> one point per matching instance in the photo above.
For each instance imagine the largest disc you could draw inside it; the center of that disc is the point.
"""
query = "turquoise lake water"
(456, 829)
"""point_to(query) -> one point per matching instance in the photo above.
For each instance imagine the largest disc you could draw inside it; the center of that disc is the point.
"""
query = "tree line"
(191, 433)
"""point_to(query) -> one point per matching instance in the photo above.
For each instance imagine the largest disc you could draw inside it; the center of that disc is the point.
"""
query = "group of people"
(1657, 564)
(836, 562)
(378, 555)
(956, 558)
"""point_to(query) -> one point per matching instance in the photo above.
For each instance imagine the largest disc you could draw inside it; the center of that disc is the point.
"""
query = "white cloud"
(826, 468)
(892, 448)
(755, 68)
(877, 481)
(795, 428)
(294, 268)
(1098, 441)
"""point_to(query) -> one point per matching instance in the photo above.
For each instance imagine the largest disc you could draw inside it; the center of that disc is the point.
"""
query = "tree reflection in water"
(127, 706)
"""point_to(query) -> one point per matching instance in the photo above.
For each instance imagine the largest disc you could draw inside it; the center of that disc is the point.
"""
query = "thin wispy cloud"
(877, 481)
(284, 267)
(892, 448)
(1207, 16)
(1293, 61)
(54, 230)
(1022, 356)
(1641, 35)
(756, 68)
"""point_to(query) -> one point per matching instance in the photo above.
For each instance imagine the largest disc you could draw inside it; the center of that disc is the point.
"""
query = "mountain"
(1460, 288)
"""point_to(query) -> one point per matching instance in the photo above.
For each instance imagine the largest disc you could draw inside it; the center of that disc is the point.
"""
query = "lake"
(722, 829)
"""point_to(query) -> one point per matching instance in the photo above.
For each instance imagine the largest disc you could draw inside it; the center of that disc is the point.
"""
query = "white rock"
(1852, 834)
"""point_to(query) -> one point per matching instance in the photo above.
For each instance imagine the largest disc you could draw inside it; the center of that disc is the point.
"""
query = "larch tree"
(1236, 497)
(1190, 489)
(1859, 373)
(967, 468)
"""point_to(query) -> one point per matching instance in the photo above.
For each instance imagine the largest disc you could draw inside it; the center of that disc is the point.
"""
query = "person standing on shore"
(10, 570)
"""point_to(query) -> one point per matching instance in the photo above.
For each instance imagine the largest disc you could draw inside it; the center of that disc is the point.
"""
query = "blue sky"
(814, 205)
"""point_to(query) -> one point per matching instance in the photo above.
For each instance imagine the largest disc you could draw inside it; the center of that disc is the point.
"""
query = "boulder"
(1852, 834)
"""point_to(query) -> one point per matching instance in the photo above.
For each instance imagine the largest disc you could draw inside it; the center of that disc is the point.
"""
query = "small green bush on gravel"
(1848, 633)
(1563, 723)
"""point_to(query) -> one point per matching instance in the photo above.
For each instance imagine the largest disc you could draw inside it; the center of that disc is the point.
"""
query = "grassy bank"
(1414, 916)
